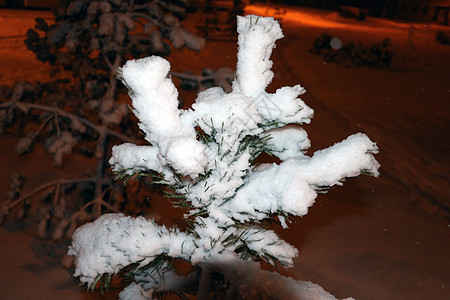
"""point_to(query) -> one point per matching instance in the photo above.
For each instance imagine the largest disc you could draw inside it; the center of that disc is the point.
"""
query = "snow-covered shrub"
(373, 56)
(81, 114)
(207, 155)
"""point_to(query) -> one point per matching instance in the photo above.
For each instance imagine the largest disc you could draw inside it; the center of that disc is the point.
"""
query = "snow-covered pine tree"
(207, 154)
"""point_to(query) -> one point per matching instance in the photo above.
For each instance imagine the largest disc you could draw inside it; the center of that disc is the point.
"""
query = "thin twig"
(108, 62)
(60, 112)
(43, 125)
(180, 294)
(101, 164)
(147, 17)
(48, 185)
(98, 200)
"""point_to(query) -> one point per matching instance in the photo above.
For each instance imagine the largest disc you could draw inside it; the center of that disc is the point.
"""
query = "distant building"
(430, 11)
(225, 4)
(427, 11)
(28, 3)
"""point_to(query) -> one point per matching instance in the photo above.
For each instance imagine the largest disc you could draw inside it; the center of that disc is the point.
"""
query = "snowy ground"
(370, 239)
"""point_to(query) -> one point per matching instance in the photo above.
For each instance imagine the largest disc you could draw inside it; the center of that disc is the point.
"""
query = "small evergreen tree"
(207, 156)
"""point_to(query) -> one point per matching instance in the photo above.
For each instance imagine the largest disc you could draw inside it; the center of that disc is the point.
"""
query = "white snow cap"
(342, 160)
(130, 157)
(290, 186)
(155, 98)
(114, 241)
(186, 155)
(256, 41)
(284, 107)
(288, 142)
(155, 101)
(257, 37)
(263, 284)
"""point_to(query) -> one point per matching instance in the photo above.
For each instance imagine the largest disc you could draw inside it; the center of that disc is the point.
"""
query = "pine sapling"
(207, 156)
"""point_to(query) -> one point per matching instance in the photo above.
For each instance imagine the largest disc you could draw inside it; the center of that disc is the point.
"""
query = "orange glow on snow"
(329, 19)
(294, 15)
